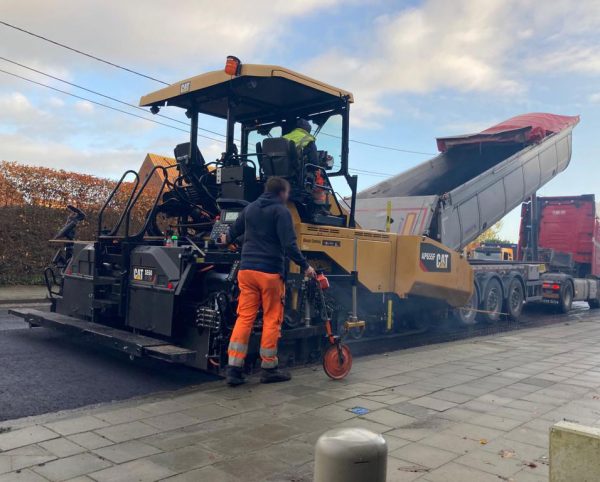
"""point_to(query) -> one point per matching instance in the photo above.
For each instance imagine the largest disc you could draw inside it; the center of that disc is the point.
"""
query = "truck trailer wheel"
(491, 301)
(466, 315)
(594, 304)
(565, 302)
(515, 298)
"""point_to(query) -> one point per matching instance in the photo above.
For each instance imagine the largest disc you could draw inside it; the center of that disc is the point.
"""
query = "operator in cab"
(305, 143)
(269, 237)
(307, 150)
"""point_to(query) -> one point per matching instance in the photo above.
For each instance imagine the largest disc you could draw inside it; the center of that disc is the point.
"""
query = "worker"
(307, 151)
(305, 142)
(268, 237)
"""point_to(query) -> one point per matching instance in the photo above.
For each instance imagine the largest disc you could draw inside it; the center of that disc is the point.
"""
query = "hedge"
(32, 210)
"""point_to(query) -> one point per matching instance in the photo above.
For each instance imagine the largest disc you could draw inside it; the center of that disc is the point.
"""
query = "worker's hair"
(277, 185)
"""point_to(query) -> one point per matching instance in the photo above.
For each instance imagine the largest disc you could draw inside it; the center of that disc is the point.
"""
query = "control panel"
(227, 218)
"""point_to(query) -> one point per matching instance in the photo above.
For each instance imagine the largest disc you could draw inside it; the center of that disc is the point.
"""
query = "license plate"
(141, 273)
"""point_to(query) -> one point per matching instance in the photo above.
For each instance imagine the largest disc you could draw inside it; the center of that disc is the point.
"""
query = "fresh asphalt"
(43, 370)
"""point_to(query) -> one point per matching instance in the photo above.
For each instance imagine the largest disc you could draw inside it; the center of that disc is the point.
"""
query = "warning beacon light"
(233, 65)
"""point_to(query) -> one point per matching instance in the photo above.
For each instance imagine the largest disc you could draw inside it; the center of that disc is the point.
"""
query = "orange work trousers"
(257, 289)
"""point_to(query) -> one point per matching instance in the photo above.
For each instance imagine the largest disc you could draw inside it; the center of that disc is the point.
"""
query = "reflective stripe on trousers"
(258, 289)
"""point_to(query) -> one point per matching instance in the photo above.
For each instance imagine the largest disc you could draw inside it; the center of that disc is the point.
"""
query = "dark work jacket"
(269, 236)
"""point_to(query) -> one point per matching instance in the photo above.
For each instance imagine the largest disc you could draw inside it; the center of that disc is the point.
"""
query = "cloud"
(579, 59)
(594, 98)
(184, 35)
(477, 49)
(102, 162)
(469, 46)
(84, 106)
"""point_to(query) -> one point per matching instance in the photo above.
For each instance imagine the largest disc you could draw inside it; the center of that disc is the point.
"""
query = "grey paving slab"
(434, 403)
(22, 476)
(126, 451)
(451, 442)
(453, 472)
(424, 455)
(474, 432)
(389, 418)
(23, 457)
(412, 410)
(209, 412)
(25, 436)
(90, 440)
(127, 431)
(73, 466)
(404, 471)
(62, 447)
(333, 412)
(493, 463)
(421, 429)
(274, 432)
(141, 470)
(361, 402)
(186, 458)
(529, 436)
(186, 436)
(451, 396)
(209, 474)
(518, 450)
(122, 415)
(232, 444)
(252, 468)
(495, 421)
(76, 425)
(171, 421)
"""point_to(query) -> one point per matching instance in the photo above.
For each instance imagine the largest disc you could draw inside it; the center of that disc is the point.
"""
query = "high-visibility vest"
(301, 138)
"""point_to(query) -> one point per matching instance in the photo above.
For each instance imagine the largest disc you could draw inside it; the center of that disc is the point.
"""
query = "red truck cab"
(563, 232)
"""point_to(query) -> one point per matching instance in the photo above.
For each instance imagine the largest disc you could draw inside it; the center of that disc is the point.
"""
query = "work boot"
(275, 375)
(235, 376)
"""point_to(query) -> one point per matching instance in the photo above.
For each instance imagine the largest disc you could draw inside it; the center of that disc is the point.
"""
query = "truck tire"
(515, 298)
(594, 304)
(491, 301)
(566, 297)
(467, 315)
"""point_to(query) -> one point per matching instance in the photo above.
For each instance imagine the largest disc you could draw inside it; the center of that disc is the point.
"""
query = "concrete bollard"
(350, 455)
(574, 451)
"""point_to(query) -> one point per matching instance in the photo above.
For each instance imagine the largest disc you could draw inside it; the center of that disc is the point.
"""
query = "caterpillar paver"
(170, 292)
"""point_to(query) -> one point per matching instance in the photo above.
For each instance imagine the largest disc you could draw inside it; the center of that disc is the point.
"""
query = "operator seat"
(280, 158)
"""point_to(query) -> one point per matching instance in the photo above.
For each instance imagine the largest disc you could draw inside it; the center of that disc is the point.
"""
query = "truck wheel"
(594, 304)
(491, 302)
(566, 298)
(514, 299)
(466, 315)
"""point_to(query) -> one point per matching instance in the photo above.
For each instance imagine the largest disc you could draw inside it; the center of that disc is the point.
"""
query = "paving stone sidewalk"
(22, 293)
(476, 410)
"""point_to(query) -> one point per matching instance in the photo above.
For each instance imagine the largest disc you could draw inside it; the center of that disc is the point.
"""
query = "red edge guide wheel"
(331, 362)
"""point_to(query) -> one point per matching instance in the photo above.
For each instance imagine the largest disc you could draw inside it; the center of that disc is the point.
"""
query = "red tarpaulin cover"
(526, 129)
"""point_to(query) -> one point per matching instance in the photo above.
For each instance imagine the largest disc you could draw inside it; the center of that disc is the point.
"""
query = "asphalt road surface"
(43, 370)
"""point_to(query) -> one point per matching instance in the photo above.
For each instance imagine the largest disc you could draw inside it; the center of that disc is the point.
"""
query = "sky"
(417, 69)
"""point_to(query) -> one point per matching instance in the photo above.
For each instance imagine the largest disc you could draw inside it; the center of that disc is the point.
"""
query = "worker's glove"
(310, 272)
(222, 239)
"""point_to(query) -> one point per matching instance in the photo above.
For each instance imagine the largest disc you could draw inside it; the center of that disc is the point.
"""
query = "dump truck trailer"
(473, 183)
(562, 232)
